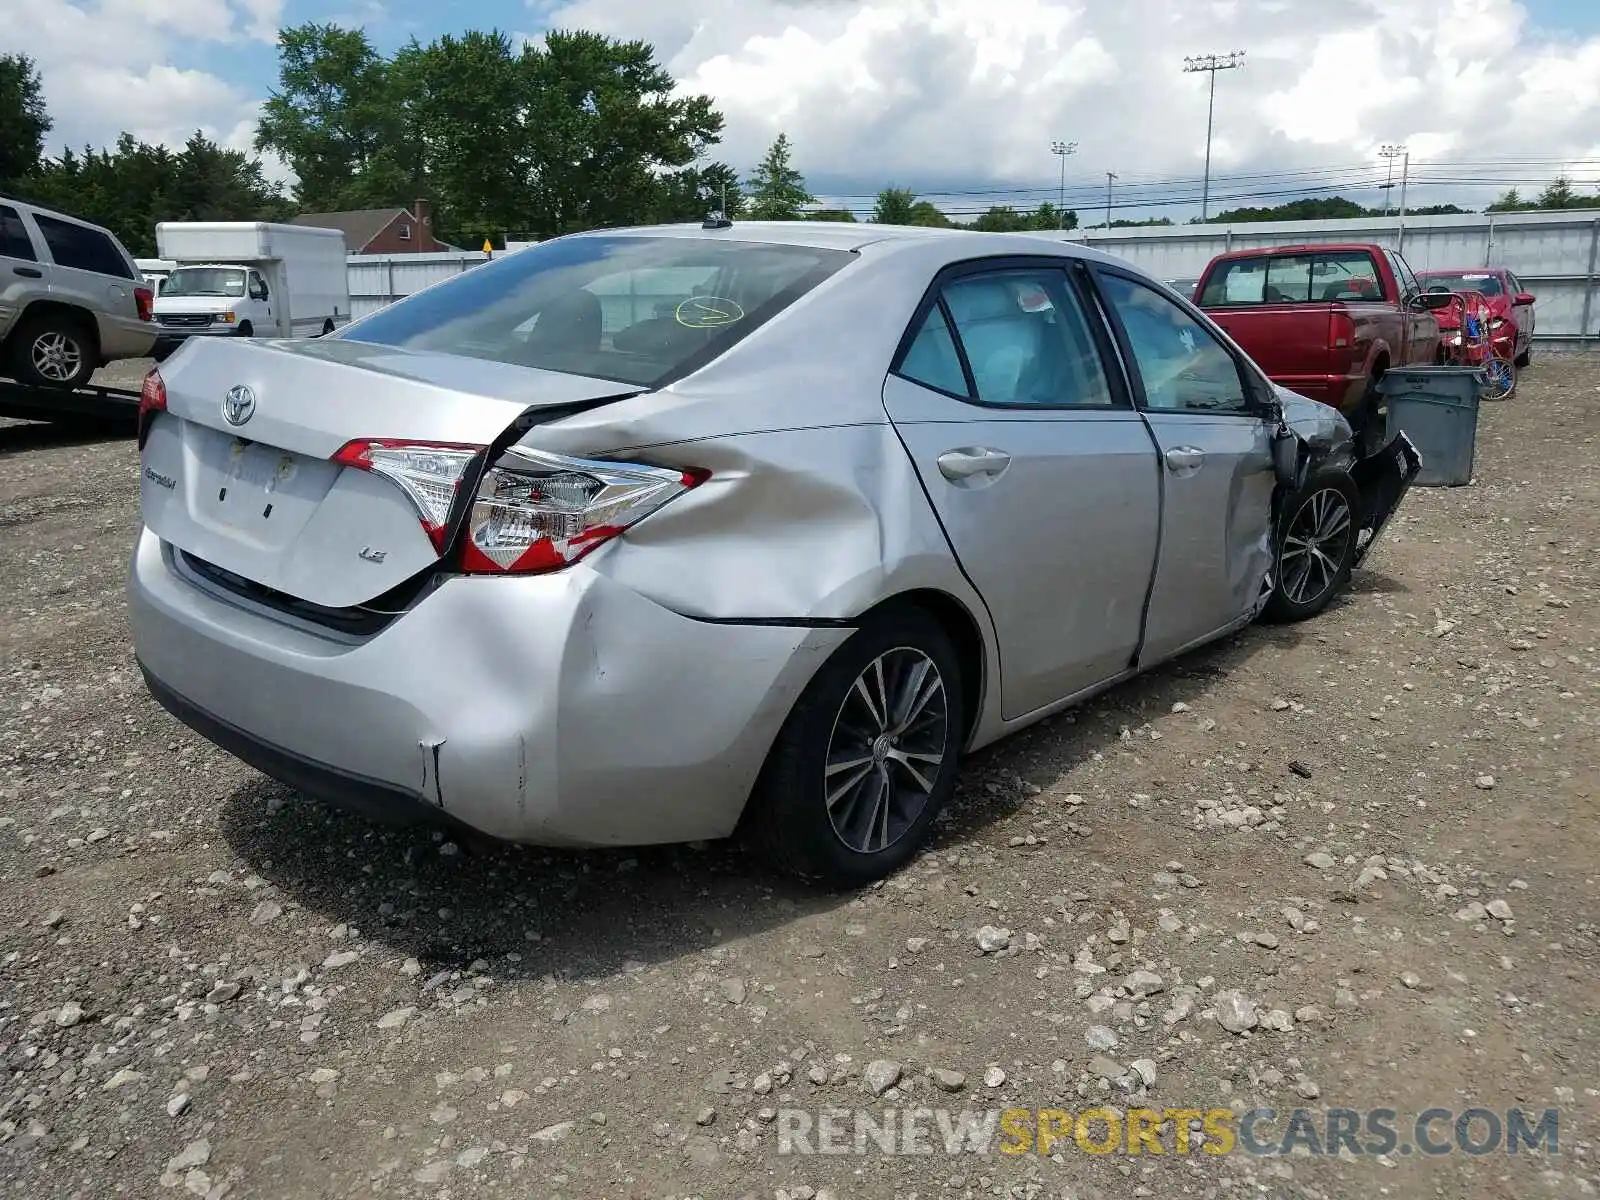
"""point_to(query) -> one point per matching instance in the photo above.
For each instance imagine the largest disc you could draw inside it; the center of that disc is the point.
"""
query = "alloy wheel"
(56, 356)
(889, 742)
(1315, 545)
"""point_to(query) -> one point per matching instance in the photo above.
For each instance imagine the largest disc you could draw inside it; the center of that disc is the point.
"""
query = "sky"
(957, 99)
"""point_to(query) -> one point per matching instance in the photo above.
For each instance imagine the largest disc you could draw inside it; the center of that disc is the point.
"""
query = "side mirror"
(1431, 301)
(1524, 298)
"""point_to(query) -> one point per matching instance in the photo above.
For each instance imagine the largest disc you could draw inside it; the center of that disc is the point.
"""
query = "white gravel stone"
(1236, 1012)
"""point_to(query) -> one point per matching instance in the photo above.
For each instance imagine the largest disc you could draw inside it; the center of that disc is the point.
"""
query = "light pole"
(1111, 177)
(1061, 150)
(1211, 63)
(1391, 153)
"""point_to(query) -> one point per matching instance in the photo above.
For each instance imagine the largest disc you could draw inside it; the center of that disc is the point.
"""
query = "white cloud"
(944, 92)
(957, 93)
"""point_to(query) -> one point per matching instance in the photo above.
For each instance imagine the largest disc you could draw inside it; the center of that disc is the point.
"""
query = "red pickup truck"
(1325, 321)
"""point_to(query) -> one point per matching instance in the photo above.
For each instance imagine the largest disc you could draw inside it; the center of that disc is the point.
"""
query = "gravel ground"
(1349, 863)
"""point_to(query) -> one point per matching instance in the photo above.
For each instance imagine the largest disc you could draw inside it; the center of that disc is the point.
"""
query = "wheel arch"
(966, 635)
(57, 308)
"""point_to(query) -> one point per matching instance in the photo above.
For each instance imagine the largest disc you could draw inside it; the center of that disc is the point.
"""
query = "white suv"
(71, 298)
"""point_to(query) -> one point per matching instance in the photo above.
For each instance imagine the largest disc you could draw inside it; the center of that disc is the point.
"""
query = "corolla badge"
(239, 405)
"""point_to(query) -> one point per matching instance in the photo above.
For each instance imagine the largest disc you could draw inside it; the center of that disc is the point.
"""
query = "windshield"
(1293, 279)
(638, 310)
(1461, 281)
(204, 281)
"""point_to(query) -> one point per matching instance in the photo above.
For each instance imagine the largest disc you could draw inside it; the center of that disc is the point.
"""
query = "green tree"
(695, 192)
(1047, 217)
(830, 214)
(132, 186)
(23, 119)
(1001, 218)
(607, 133)
(338, 120)
(1510, 201)
(895, 206)
(1560, 194)
(777, 191)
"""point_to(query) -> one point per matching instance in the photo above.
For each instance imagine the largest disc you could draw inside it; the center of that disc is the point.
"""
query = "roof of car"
(845, 235)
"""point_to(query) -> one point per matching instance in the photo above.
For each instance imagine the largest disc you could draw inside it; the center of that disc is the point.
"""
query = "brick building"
(381, 230)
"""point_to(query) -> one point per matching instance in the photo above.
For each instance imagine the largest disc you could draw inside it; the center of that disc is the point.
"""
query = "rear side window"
(638, 310)
(81, 248)
(1023, 341)
(1293, 279)
(14, 240)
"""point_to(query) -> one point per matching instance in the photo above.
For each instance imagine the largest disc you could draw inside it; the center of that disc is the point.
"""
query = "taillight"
(429, 473)
(144, 298)
(540, 512)
(1341, 330)
(152, 400)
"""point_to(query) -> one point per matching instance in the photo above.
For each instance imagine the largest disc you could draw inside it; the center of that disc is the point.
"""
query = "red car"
(1511, 306)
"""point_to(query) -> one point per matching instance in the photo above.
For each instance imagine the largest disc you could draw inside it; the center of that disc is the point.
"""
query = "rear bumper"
(454, 709)
(123, 337)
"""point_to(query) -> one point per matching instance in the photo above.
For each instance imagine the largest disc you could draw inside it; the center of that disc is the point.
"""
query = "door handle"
(956, 465)
(29, 272)
(1185, 458)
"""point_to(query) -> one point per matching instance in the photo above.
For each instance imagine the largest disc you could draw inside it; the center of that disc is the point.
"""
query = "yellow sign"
(488, 247)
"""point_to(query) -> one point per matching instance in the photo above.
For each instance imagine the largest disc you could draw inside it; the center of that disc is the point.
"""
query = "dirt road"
(1346, 865)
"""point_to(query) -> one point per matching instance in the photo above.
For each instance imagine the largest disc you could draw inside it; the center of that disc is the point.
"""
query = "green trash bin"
(1437, 408)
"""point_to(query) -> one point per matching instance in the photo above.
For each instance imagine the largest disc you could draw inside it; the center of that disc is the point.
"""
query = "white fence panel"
(1553, 253)
(380, 279)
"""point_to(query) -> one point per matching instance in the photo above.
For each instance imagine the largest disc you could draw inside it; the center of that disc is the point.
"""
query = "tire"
(788, 820)
(246, 329)
(327, 328)
(54, 350)
(1369, 419)
(1525, 359)
(1298, 596)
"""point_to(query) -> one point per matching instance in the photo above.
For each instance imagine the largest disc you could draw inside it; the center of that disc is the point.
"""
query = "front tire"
(54, 351)
(867, 757)
(1525, 359)
(246, 329)
(1316, 547)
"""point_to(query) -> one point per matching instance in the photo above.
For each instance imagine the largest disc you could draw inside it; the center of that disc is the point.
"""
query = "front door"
(1042, 474)
(1216, 467)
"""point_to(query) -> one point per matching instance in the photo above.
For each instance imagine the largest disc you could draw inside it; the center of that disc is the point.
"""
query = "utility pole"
(1391, 153)
(1111, 177)
(1211, 63)
(1061, 150)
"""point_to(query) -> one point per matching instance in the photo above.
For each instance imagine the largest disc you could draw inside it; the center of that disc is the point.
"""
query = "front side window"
(205, 281)
(1293, 279)
(1183, 366)
(637, 310)
(14, 240)
(1024, 339)
(80, 248)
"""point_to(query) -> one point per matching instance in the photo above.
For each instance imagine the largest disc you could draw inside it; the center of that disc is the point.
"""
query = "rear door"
(89, 268)
(1041, 473)
(1216, 466)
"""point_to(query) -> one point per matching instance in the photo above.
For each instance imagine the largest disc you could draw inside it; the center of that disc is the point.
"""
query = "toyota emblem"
(239, 405)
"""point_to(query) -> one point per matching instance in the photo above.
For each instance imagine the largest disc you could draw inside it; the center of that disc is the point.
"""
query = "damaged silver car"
(662, 534)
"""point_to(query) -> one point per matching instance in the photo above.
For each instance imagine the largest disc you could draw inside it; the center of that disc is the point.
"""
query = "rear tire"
(54, 350)
(1315, 547)
(1525, 359)
(888, 778)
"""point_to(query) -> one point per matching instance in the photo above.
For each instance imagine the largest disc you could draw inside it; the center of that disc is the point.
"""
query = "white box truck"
(249, 279)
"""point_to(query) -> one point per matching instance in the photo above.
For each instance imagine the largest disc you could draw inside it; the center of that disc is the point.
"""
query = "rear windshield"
(1293, 279)
(638, 310)
(204, 281)
(1469, 281)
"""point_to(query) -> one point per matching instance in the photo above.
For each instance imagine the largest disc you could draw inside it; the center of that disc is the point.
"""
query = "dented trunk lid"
(258, 494)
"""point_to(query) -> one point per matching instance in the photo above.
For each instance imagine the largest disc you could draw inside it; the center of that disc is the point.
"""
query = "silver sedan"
(673, 533)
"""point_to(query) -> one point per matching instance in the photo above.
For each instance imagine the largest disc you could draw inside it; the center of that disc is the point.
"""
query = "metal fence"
(380, 279)
(1553, 253)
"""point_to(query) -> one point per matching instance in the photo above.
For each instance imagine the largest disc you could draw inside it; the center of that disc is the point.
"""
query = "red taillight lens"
(145, 299)
(541, 512)
(152, 400)
(429, 473)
